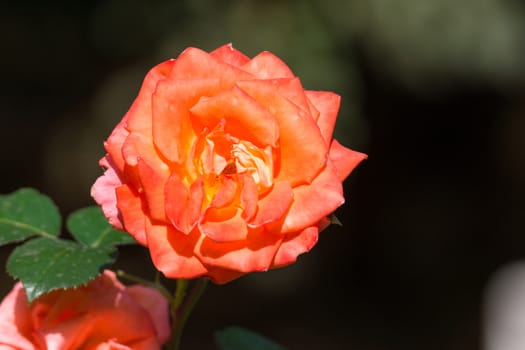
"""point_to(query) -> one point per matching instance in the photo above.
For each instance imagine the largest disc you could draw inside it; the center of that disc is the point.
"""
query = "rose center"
(218, 154)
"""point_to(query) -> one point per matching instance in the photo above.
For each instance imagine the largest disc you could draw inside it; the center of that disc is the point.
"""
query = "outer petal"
(132, 213)
(153, 182)
(274, 205)
(172, 251)
(193, 63)
(344, 159)
(15, 322)
(315, 201)
(295, 244)
(224, 224)
(221, 276)
(268, 66)
(103, 191)
(327, 103)
(255, 253)
(227, 53)
(113, 146)
(303, 150)
(157, 307)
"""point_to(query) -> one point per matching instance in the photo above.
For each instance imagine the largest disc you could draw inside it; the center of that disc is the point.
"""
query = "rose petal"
(172, 251)
(268, 66)
(255, 253)
(274, 205)
(173, 132)
(156, 305)
(113, 146)
(292, 89)
(93, 316)
(244, 117)
(224, 224)
(221, 276)
(314, 201)
(344, 159)
(183, 205)
(303, 150)
(15, 325)
(103, 191)
(226, 194)
(249, 196)
(227, 53)
(327, 103)
(131, 211)
(153, 182)
(194, 63)
(295, 244)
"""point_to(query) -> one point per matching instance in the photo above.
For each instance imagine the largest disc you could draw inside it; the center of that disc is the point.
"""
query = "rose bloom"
(224, 165)
(103, 315)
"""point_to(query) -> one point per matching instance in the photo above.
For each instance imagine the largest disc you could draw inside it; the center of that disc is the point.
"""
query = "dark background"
(433, 92)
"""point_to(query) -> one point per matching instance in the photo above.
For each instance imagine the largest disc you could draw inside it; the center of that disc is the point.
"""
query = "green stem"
(182, 309)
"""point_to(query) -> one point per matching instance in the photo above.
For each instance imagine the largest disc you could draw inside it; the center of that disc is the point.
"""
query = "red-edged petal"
(268, 66)
(103, 191)
(315, 201)
(131, 211)
(224, 224)
(327, 103)
(303, 150)
(245, 118)
(227, 53)
(344, 159)
(274, 205)
(194, 63)
(255, 253)
(172, 251)
(295, 244)
(183, 204)
(173, 131)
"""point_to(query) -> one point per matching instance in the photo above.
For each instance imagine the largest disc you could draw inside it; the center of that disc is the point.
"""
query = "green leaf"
(27, 213)
(90, 227)
(238, 338)
(45, 264)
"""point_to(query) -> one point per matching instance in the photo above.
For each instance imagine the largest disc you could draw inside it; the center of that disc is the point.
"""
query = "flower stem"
(182, 306)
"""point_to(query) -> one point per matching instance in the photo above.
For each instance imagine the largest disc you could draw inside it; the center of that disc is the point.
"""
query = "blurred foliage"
(417, 41)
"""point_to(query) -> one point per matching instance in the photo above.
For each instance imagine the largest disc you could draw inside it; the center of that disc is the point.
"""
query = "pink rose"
(102, 315)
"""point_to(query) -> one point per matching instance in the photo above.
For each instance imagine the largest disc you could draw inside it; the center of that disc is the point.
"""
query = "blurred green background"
(432, 91)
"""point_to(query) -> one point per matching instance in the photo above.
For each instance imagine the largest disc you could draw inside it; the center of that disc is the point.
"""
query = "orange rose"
(224, 165)
(103, 315)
